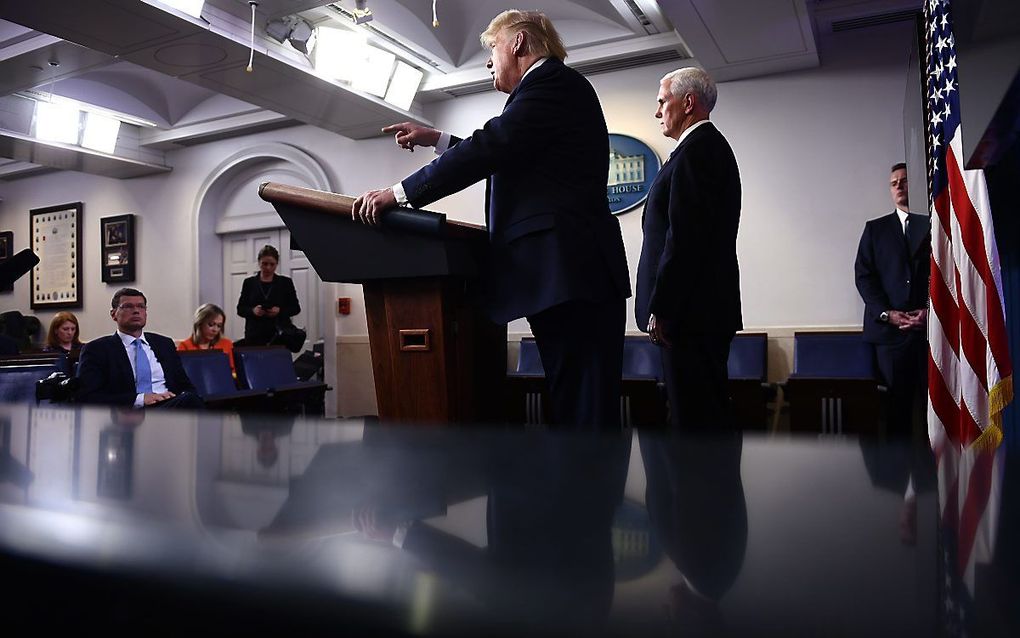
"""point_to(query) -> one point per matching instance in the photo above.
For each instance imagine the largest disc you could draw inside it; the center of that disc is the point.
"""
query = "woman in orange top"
(207, 332)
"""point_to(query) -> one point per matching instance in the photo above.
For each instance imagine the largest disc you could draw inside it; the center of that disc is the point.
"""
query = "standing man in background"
(892, 271)
(688, 282)
(556, 252)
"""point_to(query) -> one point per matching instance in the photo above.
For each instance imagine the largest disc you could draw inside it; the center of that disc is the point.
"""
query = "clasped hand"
(910, 320)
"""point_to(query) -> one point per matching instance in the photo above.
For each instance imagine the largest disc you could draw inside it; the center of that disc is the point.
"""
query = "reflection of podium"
(435, 356)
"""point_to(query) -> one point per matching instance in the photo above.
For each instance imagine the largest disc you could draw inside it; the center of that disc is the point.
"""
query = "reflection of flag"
(969, 370)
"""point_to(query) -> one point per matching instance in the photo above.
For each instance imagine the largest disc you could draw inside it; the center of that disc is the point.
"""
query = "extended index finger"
(392, 128)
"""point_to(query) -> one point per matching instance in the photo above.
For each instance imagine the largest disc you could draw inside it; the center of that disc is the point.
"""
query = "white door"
(240, 260)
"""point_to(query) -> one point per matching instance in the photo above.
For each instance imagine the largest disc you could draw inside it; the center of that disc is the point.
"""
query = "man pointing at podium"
(556, 253)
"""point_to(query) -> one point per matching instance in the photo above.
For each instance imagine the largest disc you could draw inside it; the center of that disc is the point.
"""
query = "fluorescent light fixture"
(337, 53)
(191, 7)
(40, 96)
(100, 132)
(373, 70)
(57, 122)
(403, 85)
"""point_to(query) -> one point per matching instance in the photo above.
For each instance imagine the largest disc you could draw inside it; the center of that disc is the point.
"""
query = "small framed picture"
(115, 233)
(118, 258)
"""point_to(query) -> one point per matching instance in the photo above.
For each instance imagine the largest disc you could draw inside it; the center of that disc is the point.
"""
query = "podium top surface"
(406, 244)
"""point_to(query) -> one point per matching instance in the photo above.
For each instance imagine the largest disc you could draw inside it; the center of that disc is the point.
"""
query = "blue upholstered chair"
(209, 371)
(529, 361)
(750, 392)
(641, 359)
(271, 369)
(748, 356)
(833, 389)
(832, 355)
(21, 374)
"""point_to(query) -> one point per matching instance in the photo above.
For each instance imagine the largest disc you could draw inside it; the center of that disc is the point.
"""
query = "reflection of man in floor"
(266, 430)
(550, 506)
(696, 504)
(905, 466)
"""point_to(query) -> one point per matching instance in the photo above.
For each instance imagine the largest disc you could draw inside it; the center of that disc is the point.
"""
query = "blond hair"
(203, 314)
(542, 40)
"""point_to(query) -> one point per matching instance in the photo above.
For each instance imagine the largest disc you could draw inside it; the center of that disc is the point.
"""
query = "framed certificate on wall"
(56, 238)
(118, 250)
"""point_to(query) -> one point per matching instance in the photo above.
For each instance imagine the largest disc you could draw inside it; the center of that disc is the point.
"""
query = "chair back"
(748, 356)
(209, 371)
(264, 368)
(18, 382)
(529, 361)
(641, 359)
(832, 355)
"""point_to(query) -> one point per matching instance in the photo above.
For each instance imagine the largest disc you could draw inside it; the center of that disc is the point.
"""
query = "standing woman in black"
(268, 300)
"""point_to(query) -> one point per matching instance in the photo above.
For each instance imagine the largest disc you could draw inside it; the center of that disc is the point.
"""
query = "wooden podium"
(435, 356)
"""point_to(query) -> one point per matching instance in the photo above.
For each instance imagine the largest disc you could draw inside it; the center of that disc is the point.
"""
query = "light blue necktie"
(143, 372)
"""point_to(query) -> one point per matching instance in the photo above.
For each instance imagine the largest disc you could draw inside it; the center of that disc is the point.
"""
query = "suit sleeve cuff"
(443, 144)
(399, 194)
(400, 535)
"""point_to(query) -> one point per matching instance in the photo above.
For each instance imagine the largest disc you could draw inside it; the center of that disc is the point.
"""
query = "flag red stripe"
(973, 239)
(969, 430)
(942, 402)
(944, 307)
(973, 343)
(978, 489)
(941, 206)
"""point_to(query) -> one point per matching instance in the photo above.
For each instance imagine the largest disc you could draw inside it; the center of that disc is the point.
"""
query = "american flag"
(969, 370)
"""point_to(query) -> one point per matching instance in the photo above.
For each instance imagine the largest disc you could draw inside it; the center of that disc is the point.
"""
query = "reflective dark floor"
(173, 522)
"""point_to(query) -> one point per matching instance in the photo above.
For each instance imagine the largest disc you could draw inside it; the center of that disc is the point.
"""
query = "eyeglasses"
(129, 307)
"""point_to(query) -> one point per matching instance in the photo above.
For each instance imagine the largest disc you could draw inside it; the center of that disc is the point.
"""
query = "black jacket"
(259, 330)
(688, 269)
(105, 373)
(888, 276)
(546, 158)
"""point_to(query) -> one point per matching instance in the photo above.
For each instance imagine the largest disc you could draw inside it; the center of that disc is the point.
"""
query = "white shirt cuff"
(400, 535)
(399, 194)
(443, 144)
(139, 401)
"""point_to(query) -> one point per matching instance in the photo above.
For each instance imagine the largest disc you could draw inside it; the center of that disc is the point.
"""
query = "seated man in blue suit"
(556, 252)
(131, 367)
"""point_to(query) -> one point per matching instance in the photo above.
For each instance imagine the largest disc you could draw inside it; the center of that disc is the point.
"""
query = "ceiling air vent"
(641, 17)
(873, 20)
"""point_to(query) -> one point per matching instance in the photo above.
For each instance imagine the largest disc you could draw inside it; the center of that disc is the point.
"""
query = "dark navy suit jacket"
(890, 278)
(104, 370)
(546, 156)
(688, 269)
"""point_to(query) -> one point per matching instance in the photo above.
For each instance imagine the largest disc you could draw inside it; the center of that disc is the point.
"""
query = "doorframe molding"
(217, 190)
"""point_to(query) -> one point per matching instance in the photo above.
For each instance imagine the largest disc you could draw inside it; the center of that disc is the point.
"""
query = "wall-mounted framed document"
(56, 239)
(118, 249)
